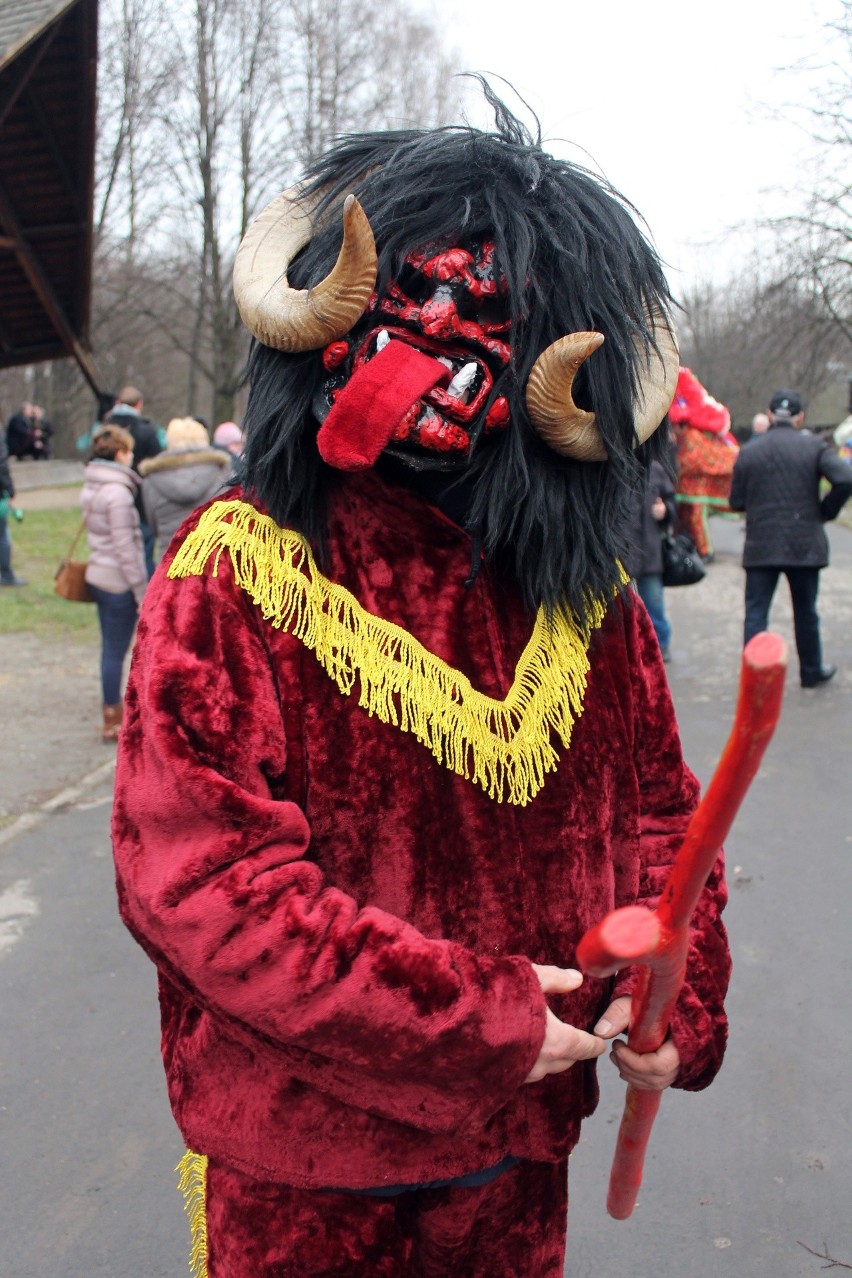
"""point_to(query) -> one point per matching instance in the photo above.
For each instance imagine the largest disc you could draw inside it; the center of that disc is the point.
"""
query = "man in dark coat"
(776, 482)
(128, 413)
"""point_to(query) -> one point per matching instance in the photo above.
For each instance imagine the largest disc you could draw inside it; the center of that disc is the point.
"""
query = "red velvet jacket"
(343, 924)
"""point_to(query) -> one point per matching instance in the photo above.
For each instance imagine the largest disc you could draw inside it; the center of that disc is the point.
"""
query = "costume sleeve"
(217, 883)
(668, 795)
(839, 475)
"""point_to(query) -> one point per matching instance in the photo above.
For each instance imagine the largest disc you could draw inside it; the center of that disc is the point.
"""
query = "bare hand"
(563, 1044)
(658, 509)
(650, 1071)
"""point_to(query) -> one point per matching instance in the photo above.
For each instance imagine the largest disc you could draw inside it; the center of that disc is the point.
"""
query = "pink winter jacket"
(116, 557)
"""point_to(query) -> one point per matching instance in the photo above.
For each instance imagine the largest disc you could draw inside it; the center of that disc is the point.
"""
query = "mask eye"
(491, 313)
(414, 285)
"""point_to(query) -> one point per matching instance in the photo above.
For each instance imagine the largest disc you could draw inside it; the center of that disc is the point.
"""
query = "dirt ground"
(50, 738)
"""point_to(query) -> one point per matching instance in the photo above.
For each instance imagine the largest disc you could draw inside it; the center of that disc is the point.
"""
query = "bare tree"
(815, 238)
(209, 108)
(267, 84)
(757, 332)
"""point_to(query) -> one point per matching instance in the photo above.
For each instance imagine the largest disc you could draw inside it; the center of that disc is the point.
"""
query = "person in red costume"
(706, 454)
(397, 733)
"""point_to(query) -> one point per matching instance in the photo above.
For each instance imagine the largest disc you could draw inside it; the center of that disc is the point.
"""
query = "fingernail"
(603, 1027)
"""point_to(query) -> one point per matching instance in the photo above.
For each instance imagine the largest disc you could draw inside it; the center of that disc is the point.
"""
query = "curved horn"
(570, 430)
(563, 426)
(290, 319)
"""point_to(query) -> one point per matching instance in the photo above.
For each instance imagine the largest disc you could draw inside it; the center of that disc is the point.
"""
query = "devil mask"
(487, 307)
(418, 383)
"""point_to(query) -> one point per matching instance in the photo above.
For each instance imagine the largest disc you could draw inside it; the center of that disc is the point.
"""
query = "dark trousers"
(117, 617)
(6, 573)
(804, 585)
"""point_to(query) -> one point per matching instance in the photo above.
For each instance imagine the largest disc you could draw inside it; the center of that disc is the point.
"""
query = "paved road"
(737, 1175)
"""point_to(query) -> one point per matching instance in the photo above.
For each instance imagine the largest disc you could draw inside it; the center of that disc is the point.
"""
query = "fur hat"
(186, 432)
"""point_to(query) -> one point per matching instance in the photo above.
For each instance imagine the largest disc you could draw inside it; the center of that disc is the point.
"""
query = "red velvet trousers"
(513, 1227)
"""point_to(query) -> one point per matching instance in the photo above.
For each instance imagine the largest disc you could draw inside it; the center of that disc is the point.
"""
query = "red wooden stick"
(657, 940)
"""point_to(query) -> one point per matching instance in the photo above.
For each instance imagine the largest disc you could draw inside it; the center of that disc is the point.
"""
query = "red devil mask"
(421, 391)
(417, 383)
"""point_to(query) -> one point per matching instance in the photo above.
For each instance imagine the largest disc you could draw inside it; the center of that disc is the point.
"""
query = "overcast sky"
(670, 99)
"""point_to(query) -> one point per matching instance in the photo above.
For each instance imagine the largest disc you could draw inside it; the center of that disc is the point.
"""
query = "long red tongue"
(368, 409)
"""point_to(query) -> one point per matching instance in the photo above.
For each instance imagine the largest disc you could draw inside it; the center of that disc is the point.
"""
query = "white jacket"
(116, 556)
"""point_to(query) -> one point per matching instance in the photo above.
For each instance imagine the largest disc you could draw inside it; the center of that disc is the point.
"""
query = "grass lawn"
(38, 545)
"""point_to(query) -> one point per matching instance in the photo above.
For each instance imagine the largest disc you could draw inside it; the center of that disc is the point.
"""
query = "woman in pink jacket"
(116, 573)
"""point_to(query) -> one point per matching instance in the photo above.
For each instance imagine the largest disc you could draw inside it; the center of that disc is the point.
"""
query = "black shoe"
(13, 581)
(814, 681)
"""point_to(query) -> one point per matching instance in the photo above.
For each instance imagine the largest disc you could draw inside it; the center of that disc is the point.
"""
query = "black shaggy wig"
(573, 259)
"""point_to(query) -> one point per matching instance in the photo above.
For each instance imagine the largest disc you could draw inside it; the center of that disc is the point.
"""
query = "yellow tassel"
(193, 1186)
(503, 746)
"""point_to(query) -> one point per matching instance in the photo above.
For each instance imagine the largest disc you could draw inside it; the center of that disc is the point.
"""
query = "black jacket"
(644, 554)
(776, 482)
(146, 441)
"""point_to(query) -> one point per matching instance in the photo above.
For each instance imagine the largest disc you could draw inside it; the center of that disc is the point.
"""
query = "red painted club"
(656, 941)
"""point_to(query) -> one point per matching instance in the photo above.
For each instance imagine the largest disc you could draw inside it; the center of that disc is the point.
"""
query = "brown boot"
(112, 722)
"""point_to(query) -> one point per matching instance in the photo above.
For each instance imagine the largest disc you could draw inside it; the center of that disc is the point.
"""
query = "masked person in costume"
(706, 454)
(397, 733)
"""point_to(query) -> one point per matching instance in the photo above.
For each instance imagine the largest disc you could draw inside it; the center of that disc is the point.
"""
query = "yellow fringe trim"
(503, 746)
(193, 1186)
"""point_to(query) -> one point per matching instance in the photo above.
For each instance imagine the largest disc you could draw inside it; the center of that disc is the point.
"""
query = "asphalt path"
(738, 1177)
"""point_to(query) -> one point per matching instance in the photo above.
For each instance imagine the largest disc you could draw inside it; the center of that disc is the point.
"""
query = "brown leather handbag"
(70, 580)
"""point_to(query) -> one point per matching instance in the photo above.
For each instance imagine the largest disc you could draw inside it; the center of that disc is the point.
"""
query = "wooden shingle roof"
(22, 21)
(48, 64)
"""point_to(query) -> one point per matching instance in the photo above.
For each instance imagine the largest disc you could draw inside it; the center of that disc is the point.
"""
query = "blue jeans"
(650, 590)
(117, 617)
(804, 585)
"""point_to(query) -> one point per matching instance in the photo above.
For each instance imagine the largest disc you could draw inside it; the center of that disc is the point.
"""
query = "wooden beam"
(24, 80)
(53, 231)
(43, 290)
(18, 355)
(54, 149)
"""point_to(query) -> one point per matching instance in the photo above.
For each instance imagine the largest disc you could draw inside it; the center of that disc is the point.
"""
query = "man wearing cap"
(776, 482)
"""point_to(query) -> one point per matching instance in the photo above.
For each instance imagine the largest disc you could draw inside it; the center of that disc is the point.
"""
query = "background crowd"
(142, 481)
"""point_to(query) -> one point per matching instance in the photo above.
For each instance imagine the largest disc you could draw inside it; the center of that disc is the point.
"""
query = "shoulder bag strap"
(78, 534)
